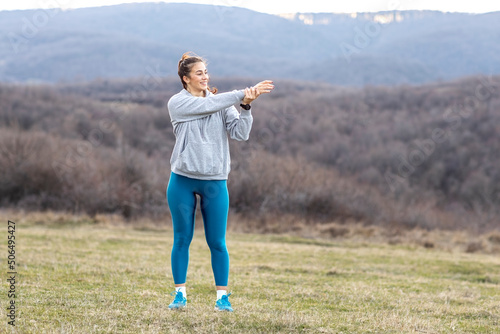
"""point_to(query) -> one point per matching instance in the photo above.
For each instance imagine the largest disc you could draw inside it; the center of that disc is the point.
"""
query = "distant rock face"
(132, 40)
(380, 17)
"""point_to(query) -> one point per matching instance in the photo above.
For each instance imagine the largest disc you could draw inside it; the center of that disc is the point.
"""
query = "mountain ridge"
(124, 40)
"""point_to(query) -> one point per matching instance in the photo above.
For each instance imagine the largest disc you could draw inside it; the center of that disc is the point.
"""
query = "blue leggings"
(181, 197)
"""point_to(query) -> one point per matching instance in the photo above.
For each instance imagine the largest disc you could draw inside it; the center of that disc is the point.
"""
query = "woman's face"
(198, 78)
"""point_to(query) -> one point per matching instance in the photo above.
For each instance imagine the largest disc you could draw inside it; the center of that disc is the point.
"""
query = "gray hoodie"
(201, 126)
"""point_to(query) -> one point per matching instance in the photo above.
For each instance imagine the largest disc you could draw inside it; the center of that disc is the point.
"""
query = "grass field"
(77, 276)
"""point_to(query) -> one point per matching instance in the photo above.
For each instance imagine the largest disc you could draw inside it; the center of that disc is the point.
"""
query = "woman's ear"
(186, 79)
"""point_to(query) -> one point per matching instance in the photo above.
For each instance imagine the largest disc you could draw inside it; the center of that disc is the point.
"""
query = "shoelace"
(225, 300)
(179, 297)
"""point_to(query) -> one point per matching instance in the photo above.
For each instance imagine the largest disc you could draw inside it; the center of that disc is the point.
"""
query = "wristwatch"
(245, 106)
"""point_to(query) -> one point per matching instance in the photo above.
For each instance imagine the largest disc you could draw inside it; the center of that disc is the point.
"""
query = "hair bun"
(188, 54)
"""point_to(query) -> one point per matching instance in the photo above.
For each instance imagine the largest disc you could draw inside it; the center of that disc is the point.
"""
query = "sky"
(276, 7)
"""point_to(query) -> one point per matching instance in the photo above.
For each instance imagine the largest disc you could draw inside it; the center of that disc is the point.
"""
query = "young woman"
(200, 165)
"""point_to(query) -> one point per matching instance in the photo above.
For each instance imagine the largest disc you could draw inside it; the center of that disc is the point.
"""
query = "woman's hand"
(252, 93)
(264, 87)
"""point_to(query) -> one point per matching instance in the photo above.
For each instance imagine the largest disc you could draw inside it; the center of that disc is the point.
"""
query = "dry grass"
(79, 275)
(349, 231)
(354, 231)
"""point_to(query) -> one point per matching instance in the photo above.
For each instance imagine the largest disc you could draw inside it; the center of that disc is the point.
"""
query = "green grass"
(92, 278)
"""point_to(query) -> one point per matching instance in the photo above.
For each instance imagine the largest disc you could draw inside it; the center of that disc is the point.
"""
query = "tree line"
(397, 156)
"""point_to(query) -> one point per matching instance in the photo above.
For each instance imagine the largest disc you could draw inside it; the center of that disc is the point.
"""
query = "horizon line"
(62, 8)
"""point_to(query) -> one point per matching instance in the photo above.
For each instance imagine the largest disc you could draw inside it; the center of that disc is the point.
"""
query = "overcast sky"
(274, 7)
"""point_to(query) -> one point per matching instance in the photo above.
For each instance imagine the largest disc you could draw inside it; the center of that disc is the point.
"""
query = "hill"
(407, 156)
(127, 40)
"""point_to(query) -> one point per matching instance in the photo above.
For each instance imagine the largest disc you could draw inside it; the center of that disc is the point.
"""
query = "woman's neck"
(198, 93)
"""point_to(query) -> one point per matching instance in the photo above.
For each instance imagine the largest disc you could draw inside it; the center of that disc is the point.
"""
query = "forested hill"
(402, 156)
(133, 40)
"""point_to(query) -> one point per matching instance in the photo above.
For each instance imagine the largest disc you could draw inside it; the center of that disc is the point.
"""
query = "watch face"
(245, 106)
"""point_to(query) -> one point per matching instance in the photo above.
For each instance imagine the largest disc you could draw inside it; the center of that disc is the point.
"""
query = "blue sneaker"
(179, 301)
(223, 304)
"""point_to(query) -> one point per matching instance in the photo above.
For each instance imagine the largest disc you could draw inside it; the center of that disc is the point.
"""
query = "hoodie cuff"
(240, 94)
(245, 113)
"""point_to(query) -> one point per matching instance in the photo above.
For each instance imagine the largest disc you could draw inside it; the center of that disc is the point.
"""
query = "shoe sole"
(218, 309)
(177, 308)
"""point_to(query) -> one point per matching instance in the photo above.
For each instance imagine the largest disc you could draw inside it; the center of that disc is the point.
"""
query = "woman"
(200, 164)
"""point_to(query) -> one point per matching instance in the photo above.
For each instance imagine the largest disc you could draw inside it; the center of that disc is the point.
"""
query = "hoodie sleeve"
(238, 126)
(184, 107)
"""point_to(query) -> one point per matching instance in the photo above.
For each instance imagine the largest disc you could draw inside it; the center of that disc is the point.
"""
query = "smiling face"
(197, 80)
